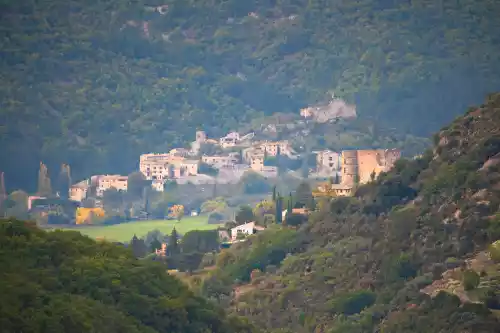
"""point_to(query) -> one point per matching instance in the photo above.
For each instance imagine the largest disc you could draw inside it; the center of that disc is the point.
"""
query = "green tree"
(173, 243)
(16, 205)
(207, 169)
(254, 183)
(139, 248)
(216, 205)
(3, 194)
(136, 184)
(244, 214)
(295, 219)
(90, 286)
(279, 210)
(352, 303)
(470, 279)
(304, 197)
(155, 245)
(152, 235)
(112, 200)
(170, 185)
(200, 241)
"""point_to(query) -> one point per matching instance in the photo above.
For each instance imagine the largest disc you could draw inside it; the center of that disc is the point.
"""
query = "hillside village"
(226, 159)
(240, 154)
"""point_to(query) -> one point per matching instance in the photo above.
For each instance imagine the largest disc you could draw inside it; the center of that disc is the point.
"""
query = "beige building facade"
(78, 192)
(220, 161)
(160, 167)
(105, 182)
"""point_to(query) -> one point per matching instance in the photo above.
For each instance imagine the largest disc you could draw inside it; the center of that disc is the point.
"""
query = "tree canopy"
(109, 80)
(65, 282)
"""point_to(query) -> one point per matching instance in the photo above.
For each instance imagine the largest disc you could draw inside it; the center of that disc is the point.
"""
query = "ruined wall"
(375, 161)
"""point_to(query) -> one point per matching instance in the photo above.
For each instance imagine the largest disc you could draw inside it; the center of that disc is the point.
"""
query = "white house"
(246, 229)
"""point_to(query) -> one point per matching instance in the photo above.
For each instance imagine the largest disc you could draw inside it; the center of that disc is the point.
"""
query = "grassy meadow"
(123, 232)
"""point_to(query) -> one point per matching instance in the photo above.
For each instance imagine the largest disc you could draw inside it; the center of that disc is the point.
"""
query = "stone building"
(360, 166)
(78, 191)
(230, 140)
(220, 161)
(105, 182)
(328, 162)
(322, 113)
(201, 138)
(257, 162)
(160, 167)
(271, 148)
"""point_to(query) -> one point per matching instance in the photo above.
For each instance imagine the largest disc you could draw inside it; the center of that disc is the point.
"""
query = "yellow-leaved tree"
(177, 212)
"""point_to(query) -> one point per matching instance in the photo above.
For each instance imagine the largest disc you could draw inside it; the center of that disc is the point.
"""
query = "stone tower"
(201, 136)
(349, 167)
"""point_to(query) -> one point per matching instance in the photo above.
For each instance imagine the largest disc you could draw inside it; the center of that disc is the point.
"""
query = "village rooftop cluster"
(239, 154)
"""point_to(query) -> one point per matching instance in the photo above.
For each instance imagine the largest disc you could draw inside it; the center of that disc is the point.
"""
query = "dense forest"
(94, 84)
(65, 282)
(417, 250)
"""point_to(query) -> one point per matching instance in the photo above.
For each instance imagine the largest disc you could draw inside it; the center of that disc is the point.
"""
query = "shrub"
(215, 218)
(401, 267)
(494, 250)
(453, 262)
(352, 303)
(295, 219)
(470, 279)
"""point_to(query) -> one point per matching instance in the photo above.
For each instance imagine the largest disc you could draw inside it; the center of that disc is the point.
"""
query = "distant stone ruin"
(336, 108)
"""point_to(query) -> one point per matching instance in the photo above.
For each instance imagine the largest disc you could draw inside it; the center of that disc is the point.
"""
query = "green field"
(125, 231)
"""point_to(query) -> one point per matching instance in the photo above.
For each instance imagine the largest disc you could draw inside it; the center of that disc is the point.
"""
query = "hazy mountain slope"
(361, 264)
(65, 282)
(96, 84)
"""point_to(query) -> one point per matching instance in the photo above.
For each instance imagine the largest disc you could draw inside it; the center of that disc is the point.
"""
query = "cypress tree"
(3, 192)
(279, 209)
(173, 243)
(3, 195)
(44, 186)
(139, 247)
(278, 160)
(64, 181)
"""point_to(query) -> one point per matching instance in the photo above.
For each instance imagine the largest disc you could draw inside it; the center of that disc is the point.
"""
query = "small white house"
(246, 229)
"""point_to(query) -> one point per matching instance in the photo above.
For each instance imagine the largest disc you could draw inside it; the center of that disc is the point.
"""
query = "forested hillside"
(415, 251)
(65, 282)
(94, 84)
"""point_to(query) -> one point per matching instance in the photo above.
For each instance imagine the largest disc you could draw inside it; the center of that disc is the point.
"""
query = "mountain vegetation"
(416, 250)
(61, 281)
(95, 84)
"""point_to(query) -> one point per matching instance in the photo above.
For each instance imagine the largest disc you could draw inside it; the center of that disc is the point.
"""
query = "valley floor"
(123, 232)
